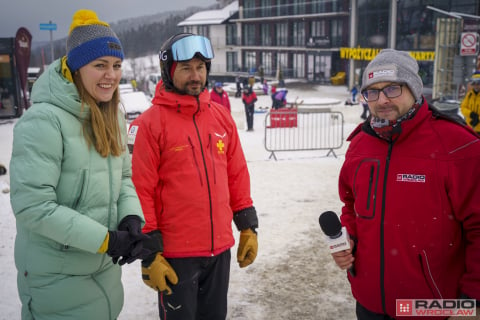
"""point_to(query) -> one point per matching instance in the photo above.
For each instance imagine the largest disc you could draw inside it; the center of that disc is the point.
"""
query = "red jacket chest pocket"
(366, 188)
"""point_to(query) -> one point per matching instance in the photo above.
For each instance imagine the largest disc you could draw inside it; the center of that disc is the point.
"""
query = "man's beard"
(191, 92)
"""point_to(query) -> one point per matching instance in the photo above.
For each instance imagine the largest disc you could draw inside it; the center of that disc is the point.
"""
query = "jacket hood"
(53, 88)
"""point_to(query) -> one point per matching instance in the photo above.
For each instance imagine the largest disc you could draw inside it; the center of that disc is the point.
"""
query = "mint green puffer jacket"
(65, 197)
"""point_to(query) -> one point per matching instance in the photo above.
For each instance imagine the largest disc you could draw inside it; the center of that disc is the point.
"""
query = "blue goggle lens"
(186, 48)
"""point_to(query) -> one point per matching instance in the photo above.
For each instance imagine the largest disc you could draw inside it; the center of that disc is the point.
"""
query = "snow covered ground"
(294, 276)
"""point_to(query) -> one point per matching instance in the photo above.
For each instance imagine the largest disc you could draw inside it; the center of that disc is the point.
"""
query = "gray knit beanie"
(394, 66)
(89, 39)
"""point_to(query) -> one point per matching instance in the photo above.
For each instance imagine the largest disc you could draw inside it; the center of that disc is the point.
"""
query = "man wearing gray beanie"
(409, 187)
(394, 66)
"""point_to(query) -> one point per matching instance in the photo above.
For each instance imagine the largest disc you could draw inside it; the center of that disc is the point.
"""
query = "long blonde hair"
(101, 129)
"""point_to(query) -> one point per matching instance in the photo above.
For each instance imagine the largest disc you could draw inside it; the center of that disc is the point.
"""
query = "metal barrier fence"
(291, 129)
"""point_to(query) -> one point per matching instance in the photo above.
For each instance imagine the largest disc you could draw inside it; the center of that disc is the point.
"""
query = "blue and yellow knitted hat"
(89, 39)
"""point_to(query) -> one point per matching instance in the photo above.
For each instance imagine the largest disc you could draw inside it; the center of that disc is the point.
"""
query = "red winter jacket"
(190, 173)
(249, 99)
(221, 98)
(413, 207)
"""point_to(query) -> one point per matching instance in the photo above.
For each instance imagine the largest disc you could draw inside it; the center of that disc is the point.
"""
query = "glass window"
(282, 7)
(318, 6)
(248, 34)
(298, 6)
(232, 64)
(7, 87)
(336, 33)
(465, 6)
(267, 63)
(318, 67)
(266, 6)
(203, 31)
(5, 67)
(231, 34)
(249, 8)
(318, 28)
(373, 23)
(298, 65)
(299, 33)
(336, 5)
(282, 60)
(250, 60)
(266, 37)
(281, 34)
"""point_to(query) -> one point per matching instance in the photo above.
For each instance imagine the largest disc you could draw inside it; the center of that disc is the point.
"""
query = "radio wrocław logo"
(436, 307)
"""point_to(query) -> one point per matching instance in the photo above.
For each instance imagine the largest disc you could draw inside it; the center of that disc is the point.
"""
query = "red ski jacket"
(220, 98)
(249, 99)
(190, 173)
(413, 207)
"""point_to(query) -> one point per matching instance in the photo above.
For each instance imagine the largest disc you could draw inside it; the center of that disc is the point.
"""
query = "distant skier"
(279, 99)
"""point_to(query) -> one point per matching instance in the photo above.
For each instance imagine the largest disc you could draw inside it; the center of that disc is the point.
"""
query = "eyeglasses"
(475, 82)
(186, 48)
(391, 91)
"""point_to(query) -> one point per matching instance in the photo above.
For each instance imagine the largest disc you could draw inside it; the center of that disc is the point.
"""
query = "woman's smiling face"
(101, 77)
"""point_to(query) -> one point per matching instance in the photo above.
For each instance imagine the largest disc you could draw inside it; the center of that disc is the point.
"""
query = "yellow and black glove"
(247, 248)
(246, 221)
(156, 274)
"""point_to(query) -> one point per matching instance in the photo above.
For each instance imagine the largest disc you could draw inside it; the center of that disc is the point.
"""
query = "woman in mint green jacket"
(77, 213)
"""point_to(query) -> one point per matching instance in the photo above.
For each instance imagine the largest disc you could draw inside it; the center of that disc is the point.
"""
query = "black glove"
(125, 248)
(132, 224)
(120, 243)
(154, 245)
(473, 119)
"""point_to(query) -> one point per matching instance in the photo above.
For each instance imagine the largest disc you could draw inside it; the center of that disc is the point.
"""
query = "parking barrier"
(291, 129)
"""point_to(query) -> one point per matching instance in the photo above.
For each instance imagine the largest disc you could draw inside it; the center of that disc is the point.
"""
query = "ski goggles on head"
(186, 48)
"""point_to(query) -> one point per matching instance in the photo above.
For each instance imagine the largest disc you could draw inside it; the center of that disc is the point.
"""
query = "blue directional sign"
(48, 26)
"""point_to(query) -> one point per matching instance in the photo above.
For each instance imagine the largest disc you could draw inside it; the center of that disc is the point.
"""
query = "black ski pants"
(201, 292)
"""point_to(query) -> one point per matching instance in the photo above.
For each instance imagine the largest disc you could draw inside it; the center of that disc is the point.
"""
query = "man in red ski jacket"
(192, 179)
(411, 197)
(249, 97)
(220, 96)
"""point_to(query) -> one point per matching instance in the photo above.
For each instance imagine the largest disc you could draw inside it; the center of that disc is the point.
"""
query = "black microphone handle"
(328, 222)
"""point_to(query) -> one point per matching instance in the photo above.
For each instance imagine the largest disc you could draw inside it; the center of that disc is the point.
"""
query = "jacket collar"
(53, 88)
(183, 103)
(407, 127)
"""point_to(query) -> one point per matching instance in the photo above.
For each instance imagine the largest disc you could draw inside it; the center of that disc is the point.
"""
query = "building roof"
(211, 16)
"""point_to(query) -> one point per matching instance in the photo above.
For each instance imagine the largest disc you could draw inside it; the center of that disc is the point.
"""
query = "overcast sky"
(30, 13)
